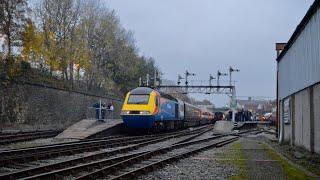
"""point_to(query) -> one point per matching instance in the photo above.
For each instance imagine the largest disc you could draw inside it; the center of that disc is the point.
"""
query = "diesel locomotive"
(146, 108)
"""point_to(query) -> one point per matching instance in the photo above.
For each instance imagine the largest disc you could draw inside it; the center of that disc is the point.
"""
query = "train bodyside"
(192, 115)
(145, 108)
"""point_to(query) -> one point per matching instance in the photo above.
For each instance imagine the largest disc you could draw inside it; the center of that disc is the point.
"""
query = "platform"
(88, 127)
(223, 126)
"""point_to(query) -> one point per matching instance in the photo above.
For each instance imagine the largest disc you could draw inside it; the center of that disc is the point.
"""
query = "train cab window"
(138, 99)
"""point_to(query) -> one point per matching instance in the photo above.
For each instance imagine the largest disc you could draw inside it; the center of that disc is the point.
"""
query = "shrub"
(25, 65)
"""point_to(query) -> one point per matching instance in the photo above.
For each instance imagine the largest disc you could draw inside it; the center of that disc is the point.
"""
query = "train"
(147, 108)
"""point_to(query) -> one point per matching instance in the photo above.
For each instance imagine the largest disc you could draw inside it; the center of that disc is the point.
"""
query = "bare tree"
(12, 21)
(94, 40)
(59, 21)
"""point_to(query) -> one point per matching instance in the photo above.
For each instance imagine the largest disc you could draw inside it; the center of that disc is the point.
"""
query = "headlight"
(144, 112)
(125, 112)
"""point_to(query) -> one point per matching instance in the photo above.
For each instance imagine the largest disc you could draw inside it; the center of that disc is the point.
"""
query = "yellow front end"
(140, 109)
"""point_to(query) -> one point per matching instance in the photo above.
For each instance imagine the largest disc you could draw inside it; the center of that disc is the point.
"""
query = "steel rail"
(68, 163)
(160, 163)
(112, 168)
(13, 138)
(100, 163)
(90, 143)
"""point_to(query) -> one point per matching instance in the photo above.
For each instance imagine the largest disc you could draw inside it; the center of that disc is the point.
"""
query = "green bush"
(25, 65)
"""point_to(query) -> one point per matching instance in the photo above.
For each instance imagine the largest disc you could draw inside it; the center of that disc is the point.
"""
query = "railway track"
(149, 161)
(121, 145)
(50, 151)
(123, 162)
(8, 138)
(127, 165)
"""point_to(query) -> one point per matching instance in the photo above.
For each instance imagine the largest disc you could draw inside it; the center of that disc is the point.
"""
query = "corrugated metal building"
(299, 84)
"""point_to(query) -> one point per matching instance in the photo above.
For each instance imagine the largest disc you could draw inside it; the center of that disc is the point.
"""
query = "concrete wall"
(302, 119)
(34, 107)
(304, 127)
(316, 100)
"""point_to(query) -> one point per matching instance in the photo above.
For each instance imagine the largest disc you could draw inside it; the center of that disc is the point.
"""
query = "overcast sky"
(203, 36)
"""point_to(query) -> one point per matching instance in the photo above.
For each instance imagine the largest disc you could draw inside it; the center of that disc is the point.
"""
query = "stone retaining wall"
(33, 106)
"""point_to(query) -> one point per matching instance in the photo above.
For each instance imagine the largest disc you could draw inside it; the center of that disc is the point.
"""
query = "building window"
(286, 115)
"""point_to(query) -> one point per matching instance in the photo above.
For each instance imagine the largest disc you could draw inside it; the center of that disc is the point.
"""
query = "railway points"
(67, 149)
(103, 160)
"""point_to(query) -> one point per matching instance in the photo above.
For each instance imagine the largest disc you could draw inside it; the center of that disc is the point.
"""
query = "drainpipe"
(279, 48)
(279, 122)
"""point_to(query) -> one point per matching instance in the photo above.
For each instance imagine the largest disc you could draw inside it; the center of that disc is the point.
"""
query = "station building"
(298, 84)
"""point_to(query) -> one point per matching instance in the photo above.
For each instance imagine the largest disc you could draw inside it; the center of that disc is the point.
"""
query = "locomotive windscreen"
(138, 99)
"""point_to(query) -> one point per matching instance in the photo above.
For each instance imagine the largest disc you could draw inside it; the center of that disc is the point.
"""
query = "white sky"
(204, 36)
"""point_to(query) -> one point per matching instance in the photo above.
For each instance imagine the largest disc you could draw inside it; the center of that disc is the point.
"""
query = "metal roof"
(312, 10)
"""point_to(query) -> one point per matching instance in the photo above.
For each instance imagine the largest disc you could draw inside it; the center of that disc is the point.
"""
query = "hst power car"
(146, 108)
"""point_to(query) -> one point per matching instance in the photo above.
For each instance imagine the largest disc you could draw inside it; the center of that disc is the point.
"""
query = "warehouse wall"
(299, 80)
(304, 127)
(316, 100)
(302, 119)
(300, 66)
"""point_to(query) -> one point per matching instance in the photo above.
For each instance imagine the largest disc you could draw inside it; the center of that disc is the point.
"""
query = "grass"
(236, 157)
(309, 161)
(291, 171)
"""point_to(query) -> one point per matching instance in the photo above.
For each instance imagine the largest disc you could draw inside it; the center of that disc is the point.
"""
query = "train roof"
(147, 90)
(141, 90)
(168, 96)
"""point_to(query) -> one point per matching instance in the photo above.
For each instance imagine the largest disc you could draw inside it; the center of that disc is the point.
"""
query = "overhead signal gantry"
(206, 89)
